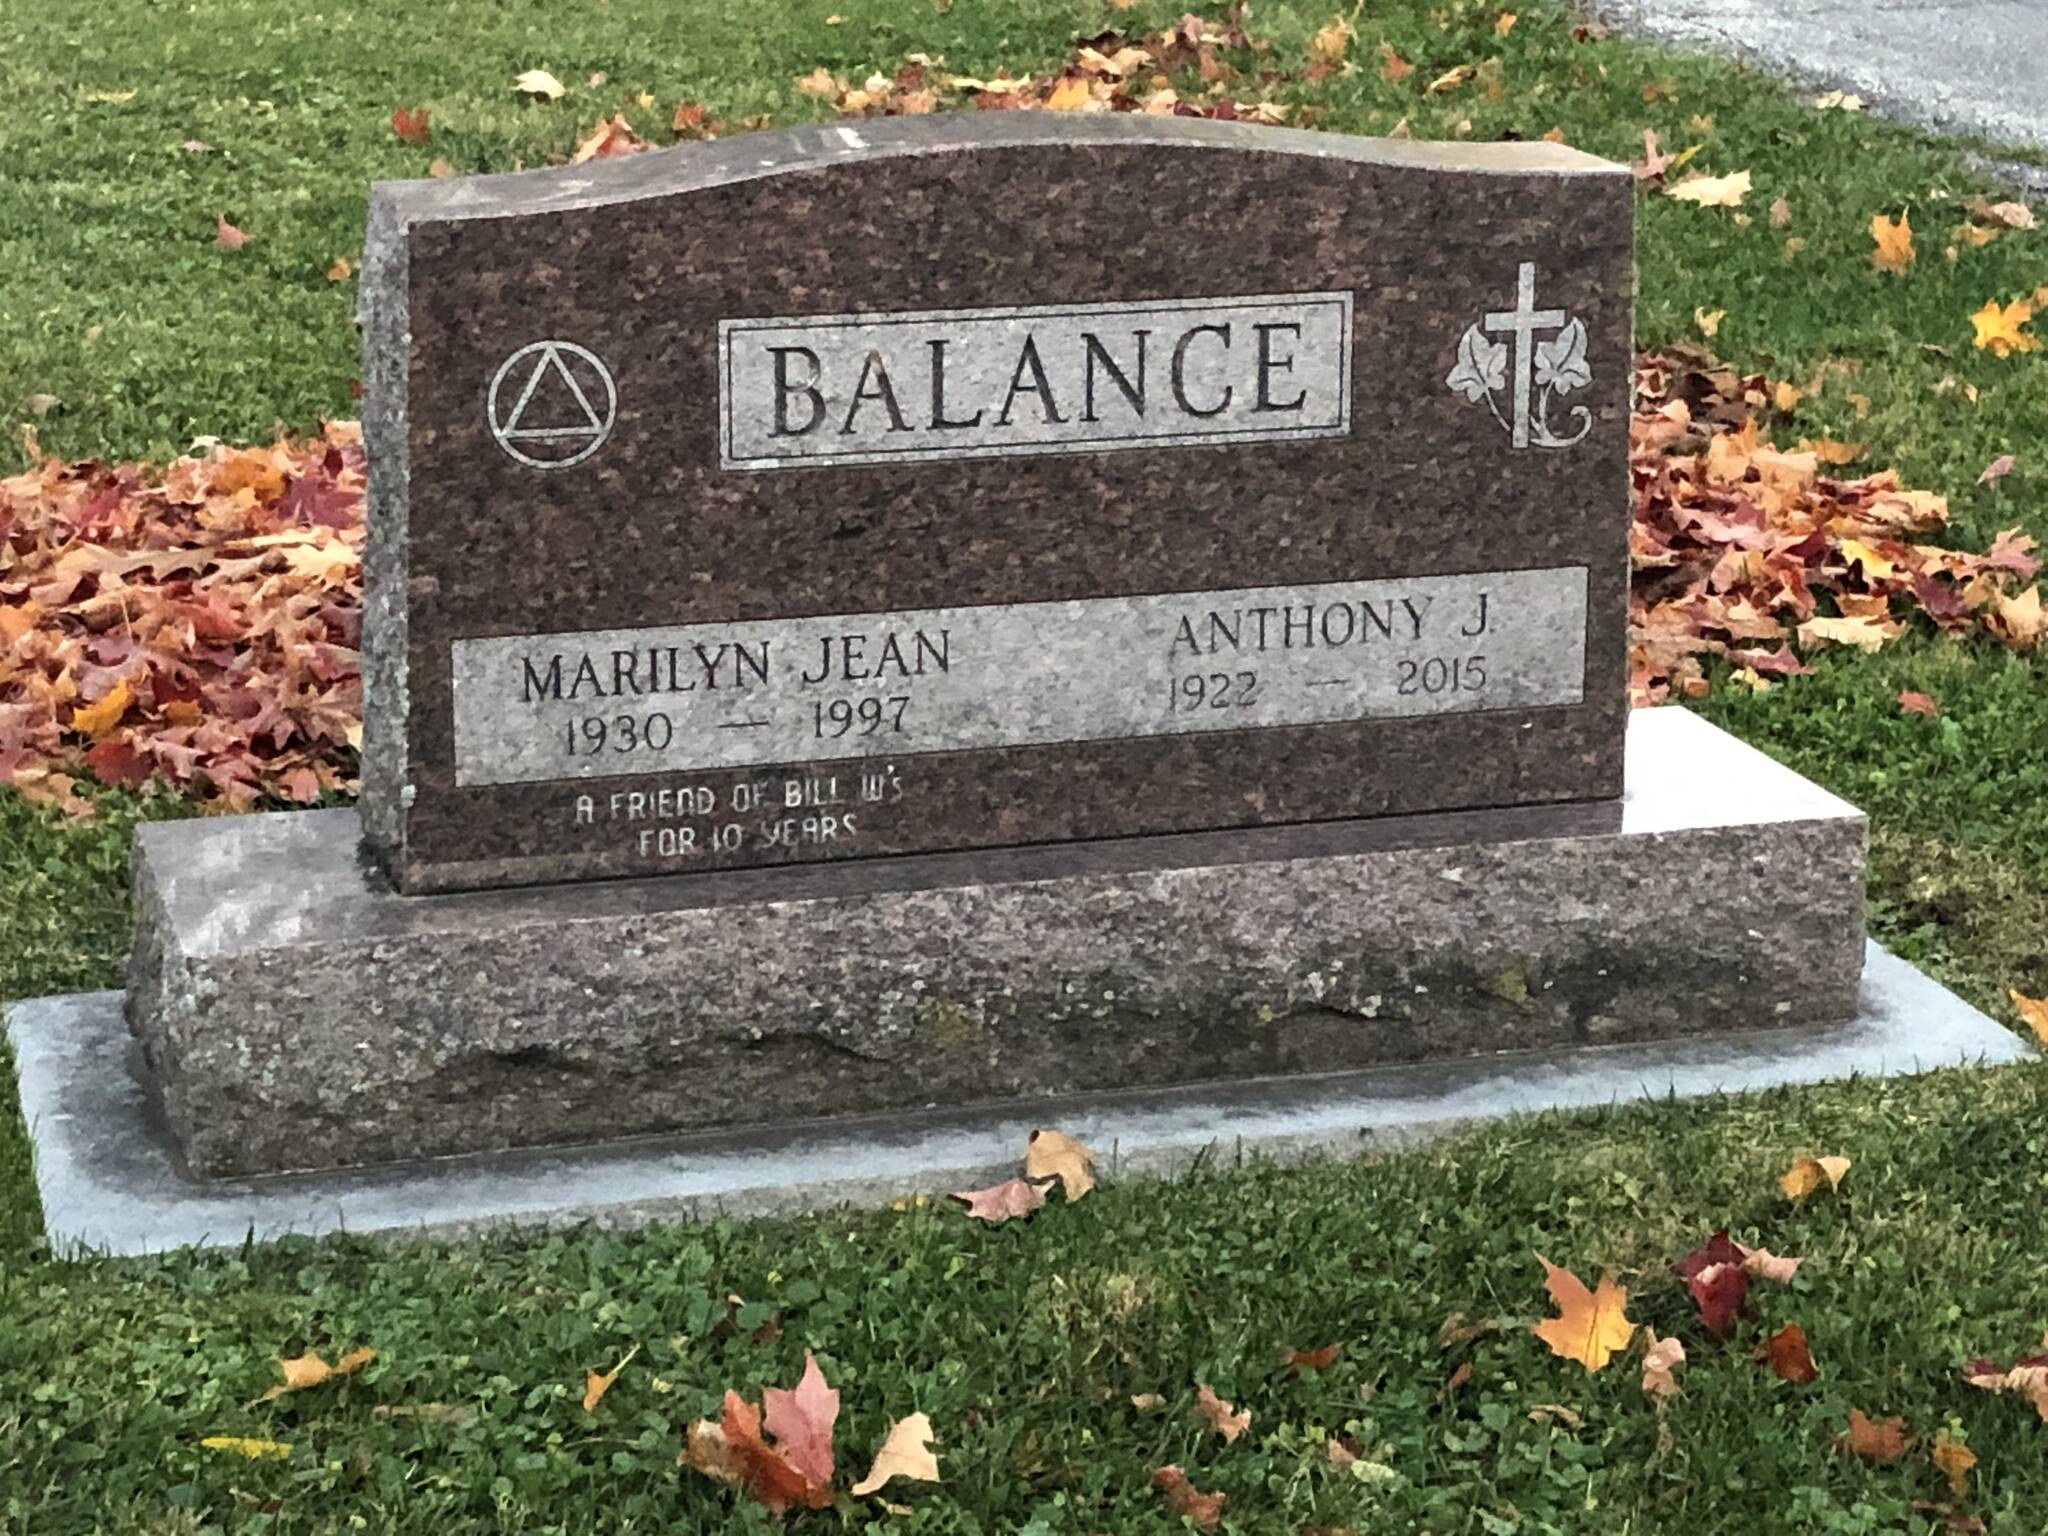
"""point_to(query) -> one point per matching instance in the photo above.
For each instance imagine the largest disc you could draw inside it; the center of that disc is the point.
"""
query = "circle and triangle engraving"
(552, 404)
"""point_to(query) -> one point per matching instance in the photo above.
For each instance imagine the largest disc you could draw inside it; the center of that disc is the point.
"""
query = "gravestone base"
(105, 1167)
(292, 1015)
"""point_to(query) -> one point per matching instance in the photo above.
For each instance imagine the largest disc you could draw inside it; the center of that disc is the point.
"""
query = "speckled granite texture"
(293, 1016)
(639, 260)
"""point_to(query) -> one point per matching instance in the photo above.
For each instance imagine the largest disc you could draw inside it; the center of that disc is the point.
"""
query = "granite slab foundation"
(294, 1016)
(104, 1165)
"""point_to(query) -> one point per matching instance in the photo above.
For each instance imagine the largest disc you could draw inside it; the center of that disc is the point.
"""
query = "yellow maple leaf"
(1708, 320)
(1875, 566)
(255, 1450)
(1504, 23)
(1894, 239)
(1804, 1176)
(1955, 1460)
(1590, 1326)
(311, 1371)
(1333, 40)
(1070, 95)
(820, 83)
(2001, 328)
(1451, 79)
(2019, 618)
(1712, 191)
(907, 1452)
(597, 1383)
(2033, 1012)
(95, 720)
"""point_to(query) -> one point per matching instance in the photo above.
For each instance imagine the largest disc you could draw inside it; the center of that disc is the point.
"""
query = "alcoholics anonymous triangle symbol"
(552, 404)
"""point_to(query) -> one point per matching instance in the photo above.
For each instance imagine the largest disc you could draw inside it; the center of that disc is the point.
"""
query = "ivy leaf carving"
(1482, 366)
(1561, 361)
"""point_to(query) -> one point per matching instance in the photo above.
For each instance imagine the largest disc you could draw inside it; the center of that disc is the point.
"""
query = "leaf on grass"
(1051, 1153)
(1807, 1174)
(1894, 239)
(1299, 1360)
(1997, 469)
(1591, 1325)
(229, 238)
(733, 1451)
(538, 82)
(597, 1383)
(1883, 1441)
(1659, 1358)
(1714, 1275)
(801, 1420)
(311, 1371)
(1184, 1499)
(255, 1450)
(1787, 1354)
(1332, 40)
(1392, 65)
(610, 139)
(1219, 1415)
(907, 1453)
(2027, 1378)
(1911, 703)
(2011, 215)
(2033, 1012)
(340, 270)
(1145, 1402)
(1709, 320)
(411, 126)
(1954, 1460)
(1712, 191)
(1763, 1264)
(1002, 1202)
(2001, 328)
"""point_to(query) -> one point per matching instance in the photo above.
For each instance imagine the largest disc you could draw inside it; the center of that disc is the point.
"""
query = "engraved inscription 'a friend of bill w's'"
(780, 691)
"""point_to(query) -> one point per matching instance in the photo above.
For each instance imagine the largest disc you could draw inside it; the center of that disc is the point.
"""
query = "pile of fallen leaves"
(1742, 548)
(198, 625)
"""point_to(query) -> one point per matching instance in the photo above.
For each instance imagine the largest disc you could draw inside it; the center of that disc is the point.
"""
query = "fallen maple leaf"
(2028, 1378)
(340, 270)
(1659, 1357)
(1332, 40)
(1911, 703)
(1786, 1353)
(1712, 191)
(906, 1453)
(2033, 1012)
(801, 1420)
(1184, 1499)
(229, 238)
(1894, 239)
(1765, 1265)
(597, 1383)
(1997, 469)
(311, 1371)
(1954, 1459)
(1504, 23)
(610, 139)
(732, 1451)
(411, 126)
(1590, 1325)
(440, 168)
(255, 1450)
(1884, 1441)
(1054, 1154)
(1004, 1201)
(1718, 1282)
(1805, 1175)
(95, 720)
(1841, 101)
(1709, 320)
(2011, 215)
(1072, 94)
(2001, 329)
(1219, 1415)
(1392, 65)
(1299, 1360)
(1780, 213)
(538, 82)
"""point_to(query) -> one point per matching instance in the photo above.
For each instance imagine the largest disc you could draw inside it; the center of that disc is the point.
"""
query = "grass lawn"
(125, 331)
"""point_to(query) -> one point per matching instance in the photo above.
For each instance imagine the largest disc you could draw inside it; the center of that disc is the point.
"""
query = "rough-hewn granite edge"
(387, 343)
(750, 156)
(432, 1026)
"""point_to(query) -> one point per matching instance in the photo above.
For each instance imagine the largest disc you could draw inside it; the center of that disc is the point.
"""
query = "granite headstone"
(993, 480)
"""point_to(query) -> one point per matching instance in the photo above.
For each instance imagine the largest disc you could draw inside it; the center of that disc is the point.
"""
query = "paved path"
(1962, 66)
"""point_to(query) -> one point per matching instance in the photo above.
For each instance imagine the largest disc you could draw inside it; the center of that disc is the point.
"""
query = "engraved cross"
(1523, 322)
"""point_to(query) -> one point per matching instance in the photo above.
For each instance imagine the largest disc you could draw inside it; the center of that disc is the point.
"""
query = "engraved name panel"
(1072, 378)
(530, 708)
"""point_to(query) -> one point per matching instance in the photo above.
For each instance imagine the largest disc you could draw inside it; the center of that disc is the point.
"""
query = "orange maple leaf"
(1955, 1460)
(1591, 1325)
(1894, 239)
(732, 1451)
(411, 126)
(1806, 1175)
(2033, 1012)
(1786, 1353)
(1884, 1440)
(1220, 1416)
(1183, 1498)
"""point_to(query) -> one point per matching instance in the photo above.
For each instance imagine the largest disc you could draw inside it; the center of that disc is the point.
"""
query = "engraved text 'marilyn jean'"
(844, 656)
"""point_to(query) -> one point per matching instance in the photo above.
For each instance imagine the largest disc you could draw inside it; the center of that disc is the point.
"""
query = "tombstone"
(948, 613)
